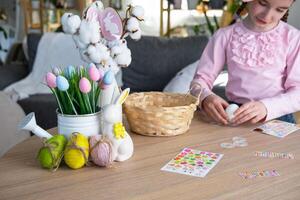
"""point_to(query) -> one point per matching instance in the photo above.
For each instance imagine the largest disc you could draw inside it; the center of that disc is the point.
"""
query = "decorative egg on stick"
(230, 111)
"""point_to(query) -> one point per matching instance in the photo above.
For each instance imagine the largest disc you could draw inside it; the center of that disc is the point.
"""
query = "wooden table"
(141, 178)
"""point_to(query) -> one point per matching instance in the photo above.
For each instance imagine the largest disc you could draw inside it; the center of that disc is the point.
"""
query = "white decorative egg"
(230, 111)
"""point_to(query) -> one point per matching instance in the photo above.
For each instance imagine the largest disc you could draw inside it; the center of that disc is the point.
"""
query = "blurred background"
(166, 18)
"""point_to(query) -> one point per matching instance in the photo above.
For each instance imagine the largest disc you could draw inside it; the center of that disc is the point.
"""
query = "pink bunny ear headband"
(245, 1)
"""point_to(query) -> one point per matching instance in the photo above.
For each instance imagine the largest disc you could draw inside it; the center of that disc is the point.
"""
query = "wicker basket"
(160, 114)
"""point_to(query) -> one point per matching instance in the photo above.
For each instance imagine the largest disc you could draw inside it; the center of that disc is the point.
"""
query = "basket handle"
(195, 85)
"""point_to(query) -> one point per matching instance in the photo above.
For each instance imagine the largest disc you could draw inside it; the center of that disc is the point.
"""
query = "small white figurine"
(230, 111)
(112, 127)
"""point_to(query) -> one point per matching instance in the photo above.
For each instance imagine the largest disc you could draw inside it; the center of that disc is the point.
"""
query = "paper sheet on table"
(193, 162)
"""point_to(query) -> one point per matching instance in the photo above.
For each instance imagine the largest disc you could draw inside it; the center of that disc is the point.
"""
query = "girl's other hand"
(253, 112)
(214, 106)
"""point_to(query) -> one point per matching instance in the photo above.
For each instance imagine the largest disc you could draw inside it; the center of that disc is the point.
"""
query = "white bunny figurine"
(122, 145)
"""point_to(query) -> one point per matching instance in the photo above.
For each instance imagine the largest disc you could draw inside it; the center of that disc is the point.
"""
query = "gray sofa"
(155, 61)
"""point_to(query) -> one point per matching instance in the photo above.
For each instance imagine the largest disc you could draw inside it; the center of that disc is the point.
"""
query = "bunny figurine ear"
(120, 100)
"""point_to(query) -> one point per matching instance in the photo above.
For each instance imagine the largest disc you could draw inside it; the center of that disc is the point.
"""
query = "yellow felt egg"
(77, 151)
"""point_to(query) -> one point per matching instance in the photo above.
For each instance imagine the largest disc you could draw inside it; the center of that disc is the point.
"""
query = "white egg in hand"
(230, 111)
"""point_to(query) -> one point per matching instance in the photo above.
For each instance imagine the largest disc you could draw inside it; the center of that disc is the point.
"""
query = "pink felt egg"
(94, 73)
(101, 150)
(84, 85)
(51, 80)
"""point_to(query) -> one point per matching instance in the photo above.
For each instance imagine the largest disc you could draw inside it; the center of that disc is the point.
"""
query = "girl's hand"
(253, 112)
(214, 106)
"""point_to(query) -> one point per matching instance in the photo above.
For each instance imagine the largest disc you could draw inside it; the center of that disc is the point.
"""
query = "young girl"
(262, 54)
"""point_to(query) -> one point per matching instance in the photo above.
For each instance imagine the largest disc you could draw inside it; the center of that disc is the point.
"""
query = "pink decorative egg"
(51, 80)
(111, 24)
(101, 150)
(84, 85)
(94, 73)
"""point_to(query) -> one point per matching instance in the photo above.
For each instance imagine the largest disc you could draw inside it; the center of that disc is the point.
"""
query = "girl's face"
(266, 14)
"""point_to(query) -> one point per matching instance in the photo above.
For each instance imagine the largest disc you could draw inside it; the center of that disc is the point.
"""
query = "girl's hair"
(243, 7)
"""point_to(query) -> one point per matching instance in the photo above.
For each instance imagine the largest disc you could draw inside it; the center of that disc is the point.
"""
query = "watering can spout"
(29, 123)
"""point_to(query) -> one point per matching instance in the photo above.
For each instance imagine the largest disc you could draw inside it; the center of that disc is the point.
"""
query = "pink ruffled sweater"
(262, 66)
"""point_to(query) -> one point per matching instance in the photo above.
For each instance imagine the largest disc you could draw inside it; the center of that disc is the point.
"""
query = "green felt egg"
(50, 155)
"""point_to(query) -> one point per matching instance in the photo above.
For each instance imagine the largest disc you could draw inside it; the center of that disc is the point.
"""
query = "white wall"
(294, 17)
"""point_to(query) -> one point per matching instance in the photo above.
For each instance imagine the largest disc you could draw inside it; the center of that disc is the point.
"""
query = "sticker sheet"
(267, 154)
(193, 162)
(277, 128)
(254, 174)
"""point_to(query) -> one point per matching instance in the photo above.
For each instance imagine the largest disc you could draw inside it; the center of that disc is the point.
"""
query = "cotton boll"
(98, 53)
(230, 111)
(138, 11)
(79, 43)
(116, 50)
(112, 43)
(65, 17)
(98, 5)
(118, 47)
(93, 54)
(89, 32)
(136, 35)
(117, 42)
(84, 55)
(132, 24)
(123, 59)
(70, 23)
(112, 65)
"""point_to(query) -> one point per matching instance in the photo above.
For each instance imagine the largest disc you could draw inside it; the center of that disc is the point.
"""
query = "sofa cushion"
(33, 40)
(11, 73)
(156, 60)
(11, 114)
(44, 106)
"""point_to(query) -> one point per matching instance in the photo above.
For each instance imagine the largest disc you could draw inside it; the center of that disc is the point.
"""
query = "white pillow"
(181, 82)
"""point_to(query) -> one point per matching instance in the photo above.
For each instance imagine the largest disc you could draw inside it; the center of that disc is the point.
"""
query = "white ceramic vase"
(88, 124)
